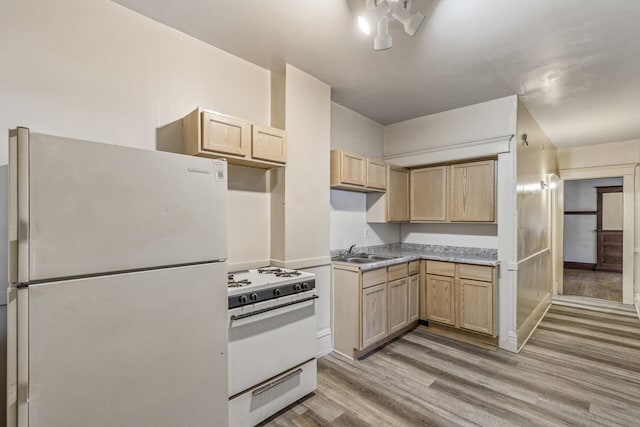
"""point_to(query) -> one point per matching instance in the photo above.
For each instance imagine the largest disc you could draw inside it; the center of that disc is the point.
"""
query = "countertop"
(410, 252)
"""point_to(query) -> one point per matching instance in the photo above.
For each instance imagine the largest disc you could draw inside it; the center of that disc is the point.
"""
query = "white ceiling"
(576, 63)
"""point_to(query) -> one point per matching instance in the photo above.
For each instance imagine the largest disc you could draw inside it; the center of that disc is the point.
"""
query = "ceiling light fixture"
(380, 12)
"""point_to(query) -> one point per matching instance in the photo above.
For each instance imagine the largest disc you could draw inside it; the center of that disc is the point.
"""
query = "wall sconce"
(524, 139)
(543, 185)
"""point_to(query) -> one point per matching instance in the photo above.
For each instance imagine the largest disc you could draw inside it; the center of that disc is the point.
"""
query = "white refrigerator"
(117, 300)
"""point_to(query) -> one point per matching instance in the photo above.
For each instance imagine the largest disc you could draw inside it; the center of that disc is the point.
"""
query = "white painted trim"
(511, 266)
(299, 264)
(611, 171)
(638, 310)
(543, 306)
(447, 153)
(324, 340)
(238, 266)
(510, 343)
(627, 171)
(507, 247)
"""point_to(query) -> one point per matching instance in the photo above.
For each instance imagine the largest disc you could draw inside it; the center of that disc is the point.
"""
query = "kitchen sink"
(358, 260)
(380, 257)
(363, 258)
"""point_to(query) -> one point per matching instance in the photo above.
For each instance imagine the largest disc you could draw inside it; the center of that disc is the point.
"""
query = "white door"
(137, 349)
(96, 208)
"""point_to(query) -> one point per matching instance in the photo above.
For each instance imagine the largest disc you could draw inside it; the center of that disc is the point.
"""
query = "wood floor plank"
(580, 367)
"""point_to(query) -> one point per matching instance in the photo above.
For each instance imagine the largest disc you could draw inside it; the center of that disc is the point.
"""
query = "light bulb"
(364, 25)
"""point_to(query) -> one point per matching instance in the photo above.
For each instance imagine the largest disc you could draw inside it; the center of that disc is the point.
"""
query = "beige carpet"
(593, 284)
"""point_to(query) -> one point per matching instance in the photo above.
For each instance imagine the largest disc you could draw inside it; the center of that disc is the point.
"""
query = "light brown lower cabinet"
(476, 305)
(398, 304)
(414, 298)
(372, 307)
(374, 314)
(462, 296)
(441, 299)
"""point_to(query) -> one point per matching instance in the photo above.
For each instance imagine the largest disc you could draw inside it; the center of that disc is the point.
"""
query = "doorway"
(593, 238)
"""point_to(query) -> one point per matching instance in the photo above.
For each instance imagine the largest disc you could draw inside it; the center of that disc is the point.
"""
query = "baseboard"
(508, 342)
(529, 326)
(580, 265)
(324, 342)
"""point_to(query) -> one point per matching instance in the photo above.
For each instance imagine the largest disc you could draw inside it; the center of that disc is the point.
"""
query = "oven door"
(266, 339)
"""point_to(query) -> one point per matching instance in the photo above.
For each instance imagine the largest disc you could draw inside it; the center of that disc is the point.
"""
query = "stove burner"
(269, 270)
(287, 273)
(231, 283)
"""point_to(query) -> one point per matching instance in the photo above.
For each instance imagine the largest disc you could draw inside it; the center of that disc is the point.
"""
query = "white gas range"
(272, 342)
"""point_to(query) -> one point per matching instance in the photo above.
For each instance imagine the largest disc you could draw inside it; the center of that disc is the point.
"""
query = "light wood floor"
(593, 284)
(579, 368)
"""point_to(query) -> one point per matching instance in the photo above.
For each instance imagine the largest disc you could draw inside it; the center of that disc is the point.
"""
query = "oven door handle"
(275, 307)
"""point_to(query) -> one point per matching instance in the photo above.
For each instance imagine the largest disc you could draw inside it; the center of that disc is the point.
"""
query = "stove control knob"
(243, 299)
(297, 287)
(276, 292)
(254, 297)
(305, 286)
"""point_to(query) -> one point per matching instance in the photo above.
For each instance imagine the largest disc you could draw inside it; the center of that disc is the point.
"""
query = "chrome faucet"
(350, 249)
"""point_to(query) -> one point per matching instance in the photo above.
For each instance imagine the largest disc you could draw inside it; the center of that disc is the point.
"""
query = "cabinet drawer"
(414, 267)
(397, 271)
(374, 277)
(475, 272)
(441, 268)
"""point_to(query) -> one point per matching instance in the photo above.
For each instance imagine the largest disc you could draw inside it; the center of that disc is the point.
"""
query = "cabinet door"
(429, 194)
(414, 297)
(352, 169)
(224, 134)
(476, 306)
(376, 174)
(472, 192)
(374, 314)
(397, 193)
(440, 299)
(269, 144)
(398, 304)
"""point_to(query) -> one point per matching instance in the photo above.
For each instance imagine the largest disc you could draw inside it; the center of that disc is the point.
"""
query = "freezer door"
(96, 208)
(138, 349)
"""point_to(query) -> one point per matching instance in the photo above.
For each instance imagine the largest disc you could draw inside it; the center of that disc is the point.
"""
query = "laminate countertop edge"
(402, 258)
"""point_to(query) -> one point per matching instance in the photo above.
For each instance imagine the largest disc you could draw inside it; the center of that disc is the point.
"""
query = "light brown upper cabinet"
(428, 194)
(393, 205)
(268, 144)
(355, 172)
(211, 134)
(376, 174)
(472, 191)
(397, 193)
(348, 168)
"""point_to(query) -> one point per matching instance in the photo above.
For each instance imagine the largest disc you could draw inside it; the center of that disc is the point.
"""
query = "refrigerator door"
(136, 349)
(96, 208)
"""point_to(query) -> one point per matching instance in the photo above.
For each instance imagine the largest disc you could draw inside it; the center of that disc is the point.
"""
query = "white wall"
(465, 235)
(353, 132)
(300, 192)
(92, 69)
(579, 236)
(477, 122)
